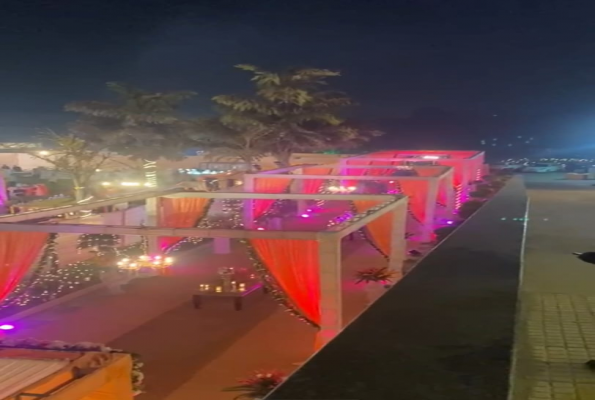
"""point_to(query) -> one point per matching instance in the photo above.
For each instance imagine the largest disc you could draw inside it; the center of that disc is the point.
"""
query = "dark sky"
(533, 59)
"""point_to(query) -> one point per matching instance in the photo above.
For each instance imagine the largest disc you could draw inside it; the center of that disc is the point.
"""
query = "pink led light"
(260, 229)
(6, 327)
(305, 215)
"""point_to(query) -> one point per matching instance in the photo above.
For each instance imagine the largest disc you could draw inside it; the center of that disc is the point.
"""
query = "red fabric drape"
(295, 266)
(313, 185)
(457, 166)
(180, 213)
(18, 250)
(427, 171)
(380, 171)
(381, 228)
(268, 185)
(356, 171)
(417, 191)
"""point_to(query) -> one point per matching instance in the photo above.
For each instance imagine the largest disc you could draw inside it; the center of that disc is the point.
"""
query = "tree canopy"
(140, 124)
(293, 110)
(74, 156)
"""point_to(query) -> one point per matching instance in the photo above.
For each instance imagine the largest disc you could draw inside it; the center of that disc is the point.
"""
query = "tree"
(74, 156)
(244, 143)
(295, 109)
(140, 124)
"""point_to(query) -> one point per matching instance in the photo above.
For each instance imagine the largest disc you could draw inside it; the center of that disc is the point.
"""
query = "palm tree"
(140, 124)
(296, 109)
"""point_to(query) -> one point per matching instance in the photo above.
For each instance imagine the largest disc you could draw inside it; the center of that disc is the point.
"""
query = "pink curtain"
(311, 186)
(268, 185)
(295, 265)
(417, 191)
(18, 251)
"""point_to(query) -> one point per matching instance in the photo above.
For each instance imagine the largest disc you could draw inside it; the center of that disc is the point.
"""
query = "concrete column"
(153, 208)
(221, 245)
(248, 211)
(398, 244)
(331, 305)
(448, 182)
(428, 228)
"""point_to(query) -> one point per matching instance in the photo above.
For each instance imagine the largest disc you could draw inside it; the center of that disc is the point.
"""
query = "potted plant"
(377, 280)
(257, 386)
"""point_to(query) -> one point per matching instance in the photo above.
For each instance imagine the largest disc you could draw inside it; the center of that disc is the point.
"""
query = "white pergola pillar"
(152, 209)
(331, 304)
(451, 194)
(398, 243)
(428, 228)
(298, 187)
(248, 210)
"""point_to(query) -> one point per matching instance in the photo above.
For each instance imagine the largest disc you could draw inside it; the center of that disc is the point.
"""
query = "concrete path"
(556, 329)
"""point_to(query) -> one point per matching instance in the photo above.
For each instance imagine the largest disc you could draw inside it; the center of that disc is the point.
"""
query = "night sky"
(531, 63)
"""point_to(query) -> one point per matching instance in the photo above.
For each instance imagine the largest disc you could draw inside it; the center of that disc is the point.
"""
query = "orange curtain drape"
(18, 251)
(417, 191)
(180, 213)
(313, 185)
(268, 185)
(295, 265)
(381, 228)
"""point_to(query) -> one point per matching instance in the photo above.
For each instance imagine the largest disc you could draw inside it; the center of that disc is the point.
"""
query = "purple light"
(260, 229)
(6, 327)
(309, 210)
(449, 222)
(305, 215)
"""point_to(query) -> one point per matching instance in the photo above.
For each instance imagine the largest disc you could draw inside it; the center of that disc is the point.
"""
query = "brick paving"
(556, 322)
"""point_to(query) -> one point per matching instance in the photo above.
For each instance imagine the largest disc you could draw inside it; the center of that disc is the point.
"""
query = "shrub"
(443, 232)
(469, 208)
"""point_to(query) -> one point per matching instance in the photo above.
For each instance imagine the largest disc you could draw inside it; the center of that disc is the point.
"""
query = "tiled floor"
(556, 323)
(559, 330)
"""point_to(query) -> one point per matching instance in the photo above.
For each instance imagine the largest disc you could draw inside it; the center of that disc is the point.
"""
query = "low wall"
(445, 331)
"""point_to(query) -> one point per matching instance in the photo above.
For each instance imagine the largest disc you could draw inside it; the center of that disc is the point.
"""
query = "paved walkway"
(192, 354)
(556, 333)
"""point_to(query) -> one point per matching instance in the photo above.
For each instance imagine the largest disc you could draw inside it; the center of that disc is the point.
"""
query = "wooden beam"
(157, 231)
(284, 196)
(50, 212)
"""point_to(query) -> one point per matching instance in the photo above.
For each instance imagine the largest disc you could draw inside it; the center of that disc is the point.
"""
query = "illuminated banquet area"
(256, 277)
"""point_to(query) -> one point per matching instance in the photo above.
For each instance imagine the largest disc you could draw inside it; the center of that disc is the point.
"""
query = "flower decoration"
(258, 385)
(374, 274)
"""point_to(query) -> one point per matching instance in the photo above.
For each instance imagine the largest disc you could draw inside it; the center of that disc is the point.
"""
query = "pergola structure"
(439, 182)
(468, 165)
(389, 209)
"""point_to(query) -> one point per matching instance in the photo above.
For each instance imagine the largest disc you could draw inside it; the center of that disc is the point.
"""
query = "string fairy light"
(272, 286)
